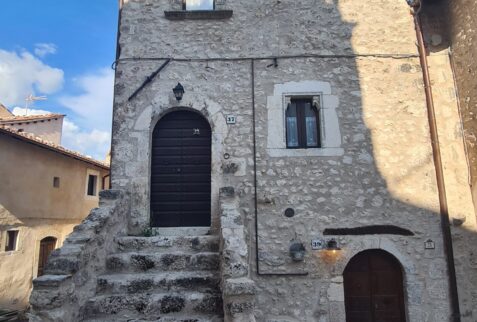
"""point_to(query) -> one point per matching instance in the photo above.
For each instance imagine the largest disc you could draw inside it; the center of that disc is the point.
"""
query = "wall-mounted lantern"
(178, 91)
(332, 246)
(297, 251)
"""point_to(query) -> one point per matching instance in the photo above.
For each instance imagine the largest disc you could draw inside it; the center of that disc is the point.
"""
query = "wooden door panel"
(374, 288)
(47, 245)
(181, 171)
(356, 316)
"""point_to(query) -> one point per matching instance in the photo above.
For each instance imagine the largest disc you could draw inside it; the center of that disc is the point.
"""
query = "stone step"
(162, 318)
(152, 262)
(157, 243)
(168, 281)
(147, 306)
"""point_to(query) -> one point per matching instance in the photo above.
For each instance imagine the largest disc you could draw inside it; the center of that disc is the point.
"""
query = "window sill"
(198, 14)
(310, 152)
(10, 252)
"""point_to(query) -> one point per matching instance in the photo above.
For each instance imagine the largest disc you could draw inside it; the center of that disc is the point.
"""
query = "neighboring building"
(4, 112)
(45, 191)
(47, 127)
(297, 178)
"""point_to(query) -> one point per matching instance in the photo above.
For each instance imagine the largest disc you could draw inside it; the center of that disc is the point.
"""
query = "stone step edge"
(130, 283)
(170, 318)
(169, 304)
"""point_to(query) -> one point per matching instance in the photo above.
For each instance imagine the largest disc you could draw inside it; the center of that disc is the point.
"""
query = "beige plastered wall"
(29, 203)
(49, 129)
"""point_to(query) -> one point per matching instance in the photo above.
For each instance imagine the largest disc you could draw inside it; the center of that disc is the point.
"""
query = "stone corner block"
(108, 196)
(239, 286)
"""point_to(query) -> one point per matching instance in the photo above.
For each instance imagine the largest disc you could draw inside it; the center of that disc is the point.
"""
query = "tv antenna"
(31, 99)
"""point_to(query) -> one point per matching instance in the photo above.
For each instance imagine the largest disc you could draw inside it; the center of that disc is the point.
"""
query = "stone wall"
(71, 271)
(462, 17)
(378, 171)
(238, 290)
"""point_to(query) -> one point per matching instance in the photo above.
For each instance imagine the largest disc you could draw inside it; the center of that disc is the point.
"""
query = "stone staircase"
(162, 278)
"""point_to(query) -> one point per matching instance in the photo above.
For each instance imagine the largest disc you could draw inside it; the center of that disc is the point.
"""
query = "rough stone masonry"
(358, 62)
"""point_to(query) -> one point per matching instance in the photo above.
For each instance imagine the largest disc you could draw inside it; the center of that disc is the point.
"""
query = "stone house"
(276, 161)
(45, 191)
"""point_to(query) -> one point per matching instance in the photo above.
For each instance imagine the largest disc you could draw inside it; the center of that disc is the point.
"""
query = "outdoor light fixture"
(332, 245)
(297, 251)
(178, 91)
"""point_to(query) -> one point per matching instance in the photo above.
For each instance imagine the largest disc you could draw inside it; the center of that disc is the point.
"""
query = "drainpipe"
(444, 210)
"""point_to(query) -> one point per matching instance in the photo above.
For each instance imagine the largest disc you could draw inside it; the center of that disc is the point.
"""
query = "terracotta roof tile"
(24, 118)
(31, 138)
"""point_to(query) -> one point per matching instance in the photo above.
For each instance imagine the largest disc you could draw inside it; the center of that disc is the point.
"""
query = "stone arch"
(382, 243)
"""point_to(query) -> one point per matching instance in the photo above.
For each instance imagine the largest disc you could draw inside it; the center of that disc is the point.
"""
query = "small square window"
(12, 240)
(302, 125)
(92, 183)
(192, 5)
(56, 182)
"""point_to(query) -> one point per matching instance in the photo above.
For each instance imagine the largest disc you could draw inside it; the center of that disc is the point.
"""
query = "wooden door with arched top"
(373, 286)
(47, 245)
(181, 171)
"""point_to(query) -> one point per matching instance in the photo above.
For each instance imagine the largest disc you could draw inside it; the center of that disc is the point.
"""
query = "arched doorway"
(181, 171)
(47, 245)
(373, 286)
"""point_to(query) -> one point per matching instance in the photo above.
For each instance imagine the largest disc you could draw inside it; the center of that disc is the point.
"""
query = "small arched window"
(302, 125)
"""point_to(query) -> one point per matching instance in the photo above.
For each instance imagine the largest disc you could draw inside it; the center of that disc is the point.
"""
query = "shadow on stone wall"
(386, 176)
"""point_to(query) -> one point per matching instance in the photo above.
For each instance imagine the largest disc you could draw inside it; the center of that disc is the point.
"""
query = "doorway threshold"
(181, 231)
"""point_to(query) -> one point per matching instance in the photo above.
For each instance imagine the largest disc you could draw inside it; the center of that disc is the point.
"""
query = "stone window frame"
(277, 104)
(98, 179)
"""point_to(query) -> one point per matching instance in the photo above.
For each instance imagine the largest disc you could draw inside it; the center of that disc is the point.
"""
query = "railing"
(238, 290)
(70, 272)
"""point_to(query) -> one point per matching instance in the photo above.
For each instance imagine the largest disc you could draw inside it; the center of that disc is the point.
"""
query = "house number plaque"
(429, 244)
(316, 244)
(230, 119)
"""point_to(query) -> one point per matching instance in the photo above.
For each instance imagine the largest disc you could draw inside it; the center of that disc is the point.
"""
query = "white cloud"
(22, 74)
(43, 49)
(96, 99)
(95, 143)
(22, 111)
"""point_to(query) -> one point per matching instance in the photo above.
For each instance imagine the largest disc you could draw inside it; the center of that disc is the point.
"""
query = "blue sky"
(62, 49)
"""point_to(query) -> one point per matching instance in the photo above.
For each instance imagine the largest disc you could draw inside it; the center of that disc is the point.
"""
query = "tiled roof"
(27, 118)
(32, 139)
(4, 112)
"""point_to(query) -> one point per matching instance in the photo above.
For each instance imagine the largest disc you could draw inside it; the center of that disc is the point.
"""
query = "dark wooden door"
(373, 287)
(180, 171)
(47, 245)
